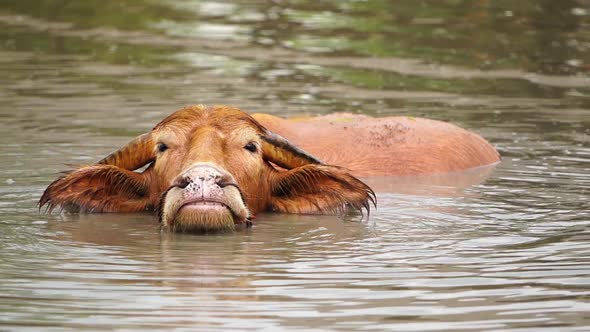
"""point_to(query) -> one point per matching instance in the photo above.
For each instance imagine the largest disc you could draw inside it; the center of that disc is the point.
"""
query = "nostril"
(181, 182)
(224, 181)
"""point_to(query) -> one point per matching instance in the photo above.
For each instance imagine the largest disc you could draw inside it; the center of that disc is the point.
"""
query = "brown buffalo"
(210, 168)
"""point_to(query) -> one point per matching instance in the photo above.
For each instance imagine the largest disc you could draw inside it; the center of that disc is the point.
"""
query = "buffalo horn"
(281, 152)
(133, 155)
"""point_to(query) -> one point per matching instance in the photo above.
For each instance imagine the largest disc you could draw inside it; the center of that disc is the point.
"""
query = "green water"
(79, 78)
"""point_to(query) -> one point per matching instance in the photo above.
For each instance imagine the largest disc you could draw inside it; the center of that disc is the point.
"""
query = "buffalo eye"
(162, 147)
(251, 147)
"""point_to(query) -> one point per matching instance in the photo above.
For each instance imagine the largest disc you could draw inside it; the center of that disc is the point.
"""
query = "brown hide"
(213, 167)
(392, 146)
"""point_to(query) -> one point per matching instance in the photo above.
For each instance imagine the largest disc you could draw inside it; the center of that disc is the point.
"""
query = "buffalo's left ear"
(319, 189)
(307, 185)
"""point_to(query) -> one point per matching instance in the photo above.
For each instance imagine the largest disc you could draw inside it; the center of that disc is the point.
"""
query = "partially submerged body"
(212, 167)
(391, 146)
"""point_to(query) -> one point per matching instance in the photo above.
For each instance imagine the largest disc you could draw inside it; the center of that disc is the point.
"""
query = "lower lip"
(209, 206)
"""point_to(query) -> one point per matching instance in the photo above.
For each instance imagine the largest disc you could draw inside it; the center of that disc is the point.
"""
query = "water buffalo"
(209, 168)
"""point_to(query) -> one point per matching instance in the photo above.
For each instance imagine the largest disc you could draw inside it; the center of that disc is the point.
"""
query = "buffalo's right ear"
(99, 188)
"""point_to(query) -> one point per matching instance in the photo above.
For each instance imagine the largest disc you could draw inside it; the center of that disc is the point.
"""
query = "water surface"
(79, 78)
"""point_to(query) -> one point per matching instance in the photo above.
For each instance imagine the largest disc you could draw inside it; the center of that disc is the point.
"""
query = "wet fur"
(320, 189)
(300, 184)
(98, 188)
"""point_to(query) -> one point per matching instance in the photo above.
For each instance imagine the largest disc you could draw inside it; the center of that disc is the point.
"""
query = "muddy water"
(78, 78)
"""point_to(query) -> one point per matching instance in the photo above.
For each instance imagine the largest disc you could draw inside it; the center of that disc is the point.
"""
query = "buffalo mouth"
(203, 204)
(203, 214)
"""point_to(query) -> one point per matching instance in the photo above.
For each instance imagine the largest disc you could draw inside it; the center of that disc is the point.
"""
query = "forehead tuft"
(219, 116)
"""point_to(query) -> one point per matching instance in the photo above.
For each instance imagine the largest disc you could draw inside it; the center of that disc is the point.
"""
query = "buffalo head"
(207, 169)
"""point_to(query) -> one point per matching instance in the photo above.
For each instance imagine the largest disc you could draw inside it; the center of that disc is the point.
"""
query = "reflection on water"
(81, 77)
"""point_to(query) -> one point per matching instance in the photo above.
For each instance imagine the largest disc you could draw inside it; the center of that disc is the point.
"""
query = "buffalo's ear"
(319, 189)
(99, 188)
